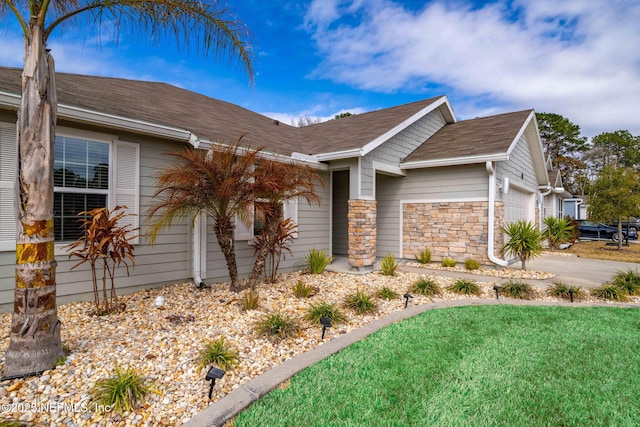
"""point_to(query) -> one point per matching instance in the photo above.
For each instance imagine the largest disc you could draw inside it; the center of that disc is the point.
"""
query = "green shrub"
(12, 423)
(558, 231)
(121, 392)
(518, 290)
(560, 290)
(448, 262)
(277, 325)
(471, 264)
(323, 309)
(218, 353)
(424, 257)
(628, 280)
(610, 292)
(465, 287)
(250, 300)
(388, 265)
(360, 302)
(386, 293)
(317, 261)
(426, 287)
(301, 290)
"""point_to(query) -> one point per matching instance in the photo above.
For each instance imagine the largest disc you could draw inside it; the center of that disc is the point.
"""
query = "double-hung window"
(91, 170)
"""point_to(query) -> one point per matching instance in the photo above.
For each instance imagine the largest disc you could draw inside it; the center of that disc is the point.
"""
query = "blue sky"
(317, 58)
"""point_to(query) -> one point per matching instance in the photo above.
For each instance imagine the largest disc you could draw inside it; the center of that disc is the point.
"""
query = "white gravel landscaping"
(163, 345)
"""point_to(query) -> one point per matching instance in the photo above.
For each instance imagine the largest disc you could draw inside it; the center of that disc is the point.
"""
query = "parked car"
(597, 230)
(633, 224)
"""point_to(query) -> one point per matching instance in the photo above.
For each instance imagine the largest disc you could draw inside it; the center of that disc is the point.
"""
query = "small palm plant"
(424, 257)
(386, 293)
(465, 287)
(277, 326)
(524, 240)
(558, 231)
(426, 287)
(629, 281)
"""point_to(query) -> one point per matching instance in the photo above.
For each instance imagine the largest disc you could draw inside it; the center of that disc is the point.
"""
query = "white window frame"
(124, 183)
(245, 231)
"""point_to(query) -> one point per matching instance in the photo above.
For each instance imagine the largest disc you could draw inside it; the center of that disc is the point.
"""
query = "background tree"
(618, 148)
(219, 183)
(563, 144)
(307, 120)
(343, 115)
(615, 196)
(35, 329)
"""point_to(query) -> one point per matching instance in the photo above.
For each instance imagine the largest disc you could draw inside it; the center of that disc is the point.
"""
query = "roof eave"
(82, 115)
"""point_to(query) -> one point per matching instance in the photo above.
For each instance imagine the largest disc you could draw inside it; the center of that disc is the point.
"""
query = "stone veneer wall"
(362, 233)
(457, 230)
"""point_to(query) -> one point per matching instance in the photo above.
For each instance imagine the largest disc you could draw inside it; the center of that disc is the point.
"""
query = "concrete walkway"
(238, 400)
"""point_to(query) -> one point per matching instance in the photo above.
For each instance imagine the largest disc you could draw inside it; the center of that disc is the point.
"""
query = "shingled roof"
(475, 137)
(212, 119)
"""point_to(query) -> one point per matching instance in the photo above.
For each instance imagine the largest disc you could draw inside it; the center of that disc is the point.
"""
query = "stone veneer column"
(362, 233)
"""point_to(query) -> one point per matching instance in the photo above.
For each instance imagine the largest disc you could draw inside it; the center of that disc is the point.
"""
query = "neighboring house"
(397, 180)
(576, 207)
(555, 195)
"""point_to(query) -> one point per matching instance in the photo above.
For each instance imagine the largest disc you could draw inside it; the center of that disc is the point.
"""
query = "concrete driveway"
(585, 272)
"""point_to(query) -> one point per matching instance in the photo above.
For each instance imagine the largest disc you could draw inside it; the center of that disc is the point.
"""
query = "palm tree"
(218, 183)
(558, 231)
(524, 240)
(35, 329)
(276, 184)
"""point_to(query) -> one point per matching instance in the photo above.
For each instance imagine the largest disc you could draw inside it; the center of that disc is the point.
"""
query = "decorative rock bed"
(163, 344)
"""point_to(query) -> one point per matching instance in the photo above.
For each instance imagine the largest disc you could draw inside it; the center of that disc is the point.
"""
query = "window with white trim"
(90, 171)
(249, 231)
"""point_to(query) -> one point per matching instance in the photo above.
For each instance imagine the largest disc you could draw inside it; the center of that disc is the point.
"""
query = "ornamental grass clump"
(302, 290)
(386, 293)
(388, 265)
(218, 353)
(558, 231)
(250, 300)
(424, 257)
(465, 287)
(317, 261)
(323, 309)
(560, 290)
(517, 290)
(360, 302)
(629, 281)
(122, 392)
(277, 325)
(448, 262)
(471, 264)
(610, 292)
(426, 287)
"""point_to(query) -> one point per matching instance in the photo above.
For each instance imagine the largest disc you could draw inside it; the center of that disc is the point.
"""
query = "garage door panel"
(518, 204)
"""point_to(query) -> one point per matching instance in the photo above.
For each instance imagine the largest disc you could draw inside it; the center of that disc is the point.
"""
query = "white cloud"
(293, 118)
(580, 59)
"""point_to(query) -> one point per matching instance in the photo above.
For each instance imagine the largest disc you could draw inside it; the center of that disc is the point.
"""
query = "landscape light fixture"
(213, 375)
(571, 294)
(406, 299)
(497, 289)
(326, 323)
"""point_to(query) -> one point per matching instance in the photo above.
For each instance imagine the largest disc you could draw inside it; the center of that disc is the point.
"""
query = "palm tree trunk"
(265, 246)
(224, 233)
(34, 343)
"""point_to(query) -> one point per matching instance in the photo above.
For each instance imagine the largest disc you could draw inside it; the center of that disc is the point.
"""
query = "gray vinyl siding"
(393, 151)
(165, 262)
(444, 183)
(313, 232)
(519, 169)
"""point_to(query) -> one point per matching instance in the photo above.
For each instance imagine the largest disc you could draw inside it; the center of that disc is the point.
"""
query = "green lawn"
(474, 366)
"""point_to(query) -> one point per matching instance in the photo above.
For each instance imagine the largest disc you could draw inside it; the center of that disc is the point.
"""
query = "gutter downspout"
(492, 210)
(547, 190)
(197, 250)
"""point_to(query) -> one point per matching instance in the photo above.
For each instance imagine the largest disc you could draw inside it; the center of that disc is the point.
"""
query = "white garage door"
(518, 204)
